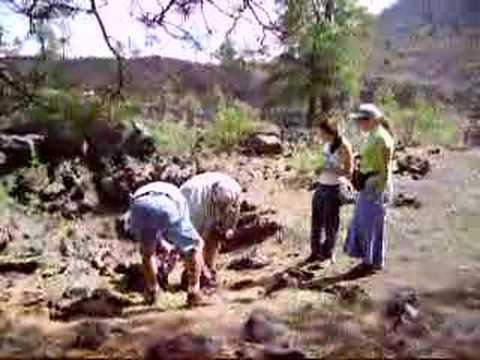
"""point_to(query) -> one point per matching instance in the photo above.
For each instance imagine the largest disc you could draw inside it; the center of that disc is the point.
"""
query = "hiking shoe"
(313, 258)
(208, 283)
(151, 296)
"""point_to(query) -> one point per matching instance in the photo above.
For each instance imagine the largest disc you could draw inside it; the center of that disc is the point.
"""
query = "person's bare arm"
(386, 160)
(347, 164)
(149, 267)
(379, 181)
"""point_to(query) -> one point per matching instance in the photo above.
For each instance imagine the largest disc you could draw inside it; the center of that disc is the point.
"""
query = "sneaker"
(330, 260)
(312, 258)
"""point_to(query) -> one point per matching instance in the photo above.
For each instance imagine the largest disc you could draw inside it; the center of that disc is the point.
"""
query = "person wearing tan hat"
(326, 202)
(365, 238)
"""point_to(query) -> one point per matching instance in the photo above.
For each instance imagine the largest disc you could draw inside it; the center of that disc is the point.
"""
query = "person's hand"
(373, 183)
(339, 171)
(319, 170)
(229, 234)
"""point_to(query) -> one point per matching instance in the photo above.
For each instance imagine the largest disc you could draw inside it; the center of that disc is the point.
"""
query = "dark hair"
(337, 139)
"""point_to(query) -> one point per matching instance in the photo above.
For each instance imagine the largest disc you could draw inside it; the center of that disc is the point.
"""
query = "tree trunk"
(330, 10)
(312, 110)
(326, 104)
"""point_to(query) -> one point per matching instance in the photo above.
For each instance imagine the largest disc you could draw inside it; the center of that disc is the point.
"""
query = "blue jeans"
(325, 220)
(156, 216)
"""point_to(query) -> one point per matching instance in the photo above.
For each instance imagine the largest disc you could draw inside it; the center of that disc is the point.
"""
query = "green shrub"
(422, 123)
(307, 160)
(126, 110)
(174, 138)
(433, 126)
(5, 199)
(59, 108)
(232, 123)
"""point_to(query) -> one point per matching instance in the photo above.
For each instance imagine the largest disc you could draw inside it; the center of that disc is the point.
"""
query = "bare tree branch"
(120, 76)
(157, 19)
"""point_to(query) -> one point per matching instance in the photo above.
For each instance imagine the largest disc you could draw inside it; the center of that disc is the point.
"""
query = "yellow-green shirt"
(372, 151)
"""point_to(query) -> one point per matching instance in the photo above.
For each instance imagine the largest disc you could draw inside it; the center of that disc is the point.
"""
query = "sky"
(86, 38)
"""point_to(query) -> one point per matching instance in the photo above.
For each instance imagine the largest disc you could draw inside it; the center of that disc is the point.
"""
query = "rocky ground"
(72, 284)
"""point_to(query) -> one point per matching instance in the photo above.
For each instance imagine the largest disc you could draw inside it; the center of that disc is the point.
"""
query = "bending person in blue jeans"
(159, 215)
(366, 238)
(326, 202)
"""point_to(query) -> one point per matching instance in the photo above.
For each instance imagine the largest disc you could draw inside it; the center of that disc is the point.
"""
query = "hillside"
(435, 42)
(147, 76)
(402, 19)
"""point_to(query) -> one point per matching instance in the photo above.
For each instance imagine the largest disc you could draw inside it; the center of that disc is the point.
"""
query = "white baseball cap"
(367, 111)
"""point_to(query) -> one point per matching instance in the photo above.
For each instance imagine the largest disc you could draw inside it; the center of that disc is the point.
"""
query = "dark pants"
(325, 218)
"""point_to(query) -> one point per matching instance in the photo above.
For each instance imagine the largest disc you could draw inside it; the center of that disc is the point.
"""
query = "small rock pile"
(415, 166)
(255, 226)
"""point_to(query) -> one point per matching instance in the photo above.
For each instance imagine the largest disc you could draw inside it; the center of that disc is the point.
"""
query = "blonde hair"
(386, 125)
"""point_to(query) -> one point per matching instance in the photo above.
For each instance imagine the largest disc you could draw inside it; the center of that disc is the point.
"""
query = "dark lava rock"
(291, 278)
(434, 151)
(248, 263)
(32, 298)
(263, 327)
(17, 150)
(25, 266)
(402, 307)
(253, 228)
(351, 294)
(101, 303)
(5, 237)
(280, 281)
(184, 347)
(262, 143)
(406, 200)
(132, 277)
(91, 334)
(280, 353)
(414, 165)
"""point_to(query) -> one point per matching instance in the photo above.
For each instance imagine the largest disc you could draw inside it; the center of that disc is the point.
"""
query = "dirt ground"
(433, 252)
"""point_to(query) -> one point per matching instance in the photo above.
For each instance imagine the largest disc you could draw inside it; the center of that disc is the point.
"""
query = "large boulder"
(265, 141)
(18, 150)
